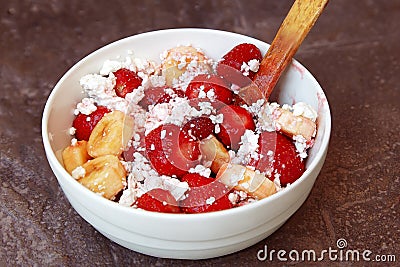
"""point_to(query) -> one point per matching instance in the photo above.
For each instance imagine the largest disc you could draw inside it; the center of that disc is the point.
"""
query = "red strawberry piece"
(238, 101)
(198, 128)
(84, 124)
(152, 95)
(165, 98)
(189, 147)
(279, 157)
(159, 200)
(169, 152)
(236, 121)
(230, 66)
(204, 195)
(158, 95)
(126, 82)
(210, 86)
(128, 154)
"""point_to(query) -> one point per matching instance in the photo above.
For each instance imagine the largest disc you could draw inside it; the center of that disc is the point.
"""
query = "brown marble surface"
(354, 51)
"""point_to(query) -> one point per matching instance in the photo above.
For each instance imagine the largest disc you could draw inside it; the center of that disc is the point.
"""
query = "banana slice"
(181, 61)
(244, 179)
(110, 135)
(75, 155)
(292, 125)
(104, 175)
(214, 151)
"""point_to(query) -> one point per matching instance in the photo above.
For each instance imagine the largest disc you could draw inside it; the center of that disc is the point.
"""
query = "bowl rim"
(54, 162)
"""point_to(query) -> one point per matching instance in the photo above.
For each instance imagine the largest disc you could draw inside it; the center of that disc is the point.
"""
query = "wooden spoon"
(297, 24)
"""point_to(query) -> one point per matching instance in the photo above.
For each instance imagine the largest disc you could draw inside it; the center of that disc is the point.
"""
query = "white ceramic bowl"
(189, 236)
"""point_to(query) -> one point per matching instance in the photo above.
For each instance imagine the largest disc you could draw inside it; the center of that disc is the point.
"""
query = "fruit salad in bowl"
(157, 130)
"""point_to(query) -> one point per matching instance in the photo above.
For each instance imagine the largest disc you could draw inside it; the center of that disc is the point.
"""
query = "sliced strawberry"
(236, 121)
(128, 154)
(152, 95)
(169, 152)
(189, 147)
(158, 200)
(157, 95)
(238, 101)
(210, 86)
(199, 128)
(205, 195)
(126, 82)
(279, 157)
(230, 66)
(165, 98)
(84, 124)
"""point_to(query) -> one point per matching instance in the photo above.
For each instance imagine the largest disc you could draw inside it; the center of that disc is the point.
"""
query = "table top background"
(353, 50)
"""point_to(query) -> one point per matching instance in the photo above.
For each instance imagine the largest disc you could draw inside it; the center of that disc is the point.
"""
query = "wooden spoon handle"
(291, 34)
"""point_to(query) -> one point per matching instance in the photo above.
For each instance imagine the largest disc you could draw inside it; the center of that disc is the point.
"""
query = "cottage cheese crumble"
(248, 148)
(253, 65)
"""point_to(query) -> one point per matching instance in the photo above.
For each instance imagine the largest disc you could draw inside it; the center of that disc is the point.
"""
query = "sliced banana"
(214, 151)
(244, 179)
(104, 175)
(182, 62)
(110, 135)
(292, 125)
(75, 155)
